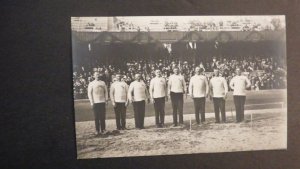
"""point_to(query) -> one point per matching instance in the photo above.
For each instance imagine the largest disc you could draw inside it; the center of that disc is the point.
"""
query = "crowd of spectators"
(263, 72)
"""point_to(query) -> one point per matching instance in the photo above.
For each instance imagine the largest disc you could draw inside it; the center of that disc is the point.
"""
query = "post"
(251, 120)
(231, 113)
(190, 123)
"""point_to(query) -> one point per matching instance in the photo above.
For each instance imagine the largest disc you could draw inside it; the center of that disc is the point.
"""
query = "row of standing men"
(160, 90)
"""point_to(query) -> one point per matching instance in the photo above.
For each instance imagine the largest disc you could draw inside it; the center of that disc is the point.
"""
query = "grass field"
(255, 100)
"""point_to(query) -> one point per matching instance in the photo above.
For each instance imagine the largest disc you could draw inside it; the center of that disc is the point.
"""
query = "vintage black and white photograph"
(169, 85)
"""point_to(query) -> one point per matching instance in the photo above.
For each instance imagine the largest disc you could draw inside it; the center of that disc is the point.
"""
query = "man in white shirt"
(118, 96)
(177, 87)
(239, 84)
(98, 96)
(158, 93)
(198, 90)
(137, 94)
(218, 92)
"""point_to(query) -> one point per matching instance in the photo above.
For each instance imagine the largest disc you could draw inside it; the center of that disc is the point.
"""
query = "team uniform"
(219, 88)
(239, 85)
(98, 95)
(158, 91)
(138, 93)
(199, 89)
(118, 95)
(177, 87)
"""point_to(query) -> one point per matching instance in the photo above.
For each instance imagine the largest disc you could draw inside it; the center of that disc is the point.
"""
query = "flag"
(168, 46)
(89, 46)
(191, 45)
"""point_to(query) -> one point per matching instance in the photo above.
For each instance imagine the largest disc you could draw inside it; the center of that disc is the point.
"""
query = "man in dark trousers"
(158, 93)
(239, 84)
(119, 99)
(98, 96)
(198, 90)
(218, 93)
(176, 89)
(138, 94)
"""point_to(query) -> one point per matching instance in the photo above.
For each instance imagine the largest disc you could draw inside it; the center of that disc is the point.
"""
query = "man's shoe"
(174, 125)
(182, 125)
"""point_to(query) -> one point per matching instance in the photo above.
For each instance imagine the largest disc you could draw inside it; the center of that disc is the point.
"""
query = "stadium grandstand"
(142, 44)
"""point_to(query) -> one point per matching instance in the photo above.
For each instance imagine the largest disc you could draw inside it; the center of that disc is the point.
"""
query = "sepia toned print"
(165, 85)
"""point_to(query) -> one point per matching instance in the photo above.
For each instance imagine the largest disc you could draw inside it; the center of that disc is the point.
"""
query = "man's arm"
(248, 83)
(130, 93)
(225, 87)
(206, 87)
(169, 85)
(184, 85)
(147, 94)
(151, 88)
(90, 94)
(231, 83)
(126, 94)
(112, 94)
(106, 93)
(210, 88)
(191, 87)
(166, 90)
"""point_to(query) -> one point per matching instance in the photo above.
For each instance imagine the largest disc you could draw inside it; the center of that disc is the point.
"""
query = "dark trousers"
(177, 105)
(99, 114)
(139, 113)
(120, 112)
(219, 105)
(239, 102)
(159, 106)
(199, 104)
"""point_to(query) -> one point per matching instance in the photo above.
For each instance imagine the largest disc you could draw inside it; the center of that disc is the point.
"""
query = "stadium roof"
(175, 23)
(170, 37)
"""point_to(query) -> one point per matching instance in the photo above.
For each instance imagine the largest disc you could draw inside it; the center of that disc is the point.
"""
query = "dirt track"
(268, 131)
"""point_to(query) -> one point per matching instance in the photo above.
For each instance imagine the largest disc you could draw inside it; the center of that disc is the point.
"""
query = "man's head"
(216, 72)
(157, 73)
(197, 70)
(137, 76)
(238, 71)
(96, 75)
(118, 77)
(176, 70)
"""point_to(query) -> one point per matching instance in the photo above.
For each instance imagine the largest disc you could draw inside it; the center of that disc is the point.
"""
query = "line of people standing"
(159, 91)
